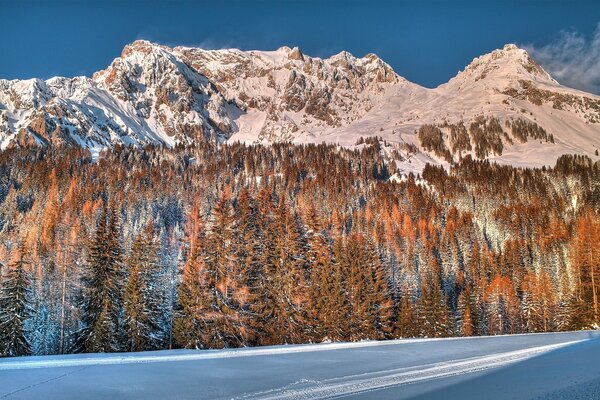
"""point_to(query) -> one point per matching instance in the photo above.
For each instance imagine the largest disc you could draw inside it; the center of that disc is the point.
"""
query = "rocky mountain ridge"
(154, 94)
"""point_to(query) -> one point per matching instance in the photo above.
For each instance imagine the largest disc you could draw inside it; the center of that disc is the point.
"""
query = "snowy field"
(537, 366)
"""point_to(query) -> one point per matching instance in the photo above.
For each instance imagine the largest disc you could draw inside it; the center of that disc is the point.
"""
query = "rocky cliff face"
(161, 95)
(294, 92)
(153, 94)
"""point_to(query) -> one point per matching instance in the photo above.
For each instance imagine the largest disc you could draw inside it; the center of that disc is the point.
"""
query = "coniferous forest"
(225, 246)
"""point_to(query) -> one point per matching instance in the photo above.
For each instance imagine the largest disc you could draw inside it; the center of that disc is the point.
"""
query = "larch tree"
(465, 314)
(585, 260)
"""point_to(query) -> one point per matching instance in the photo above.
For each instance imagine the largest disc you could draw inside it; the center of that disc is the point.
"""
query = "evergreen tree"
(223, 277)
(247, 250)
(465, 315)
(101, 305)
(187, 328)
(362, 289)
(433, 310)
(287, 281)
(142, 298)
(15, 307)
(327, 290)
(43, 331)
(263, 309)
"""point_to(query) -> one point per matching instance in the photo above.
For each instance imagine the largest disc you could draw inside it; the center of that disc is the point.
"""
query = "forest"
(217, 246)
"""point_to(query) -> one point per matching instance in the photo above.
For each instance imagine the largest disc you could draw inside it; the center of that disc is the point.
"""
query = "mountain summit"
(502, 106)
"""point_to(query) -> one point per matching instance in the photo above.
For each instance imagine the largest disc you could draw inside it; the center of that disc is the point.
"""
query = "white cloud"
(573, 59)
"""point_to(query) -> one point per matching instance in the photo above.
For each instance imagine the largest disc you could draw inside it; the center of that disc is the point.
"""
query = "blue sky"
(426, 42)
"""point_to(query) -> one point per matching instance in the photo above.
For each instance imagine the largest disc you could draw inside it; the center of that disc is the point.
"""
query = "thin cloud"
(573, 59)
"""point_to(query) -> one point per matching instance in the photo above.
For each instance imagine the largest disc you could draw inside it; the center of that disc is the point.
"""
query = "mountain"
(503, 106)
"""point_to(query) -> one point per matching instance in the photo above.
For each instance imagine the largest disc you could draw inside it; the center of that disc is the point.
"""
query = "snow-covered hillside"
(540, 366)
(503, 106)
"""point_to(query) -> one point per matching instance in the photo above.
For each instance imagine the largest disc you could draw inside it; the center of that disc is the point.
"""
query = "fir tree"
(288, 278)
(327, 289)
(224, 281)
(15, 307)
(187, 328)
(465, 315)
(142, 298)
(361, 289)
(101, 305)
(247, 250)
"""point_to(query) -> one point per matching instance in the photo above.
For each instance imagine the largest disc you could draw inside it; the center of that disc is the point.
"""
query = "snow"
(513, 366)
(393, 108)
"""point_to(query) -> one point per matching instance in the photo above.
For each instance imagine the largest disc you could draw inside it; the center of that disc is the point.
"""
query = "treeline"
(210, 247)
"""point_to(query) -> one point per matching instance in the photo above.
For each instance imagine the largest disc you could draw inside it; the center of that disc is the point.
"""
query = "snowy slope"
(161, 95)
(514, 366)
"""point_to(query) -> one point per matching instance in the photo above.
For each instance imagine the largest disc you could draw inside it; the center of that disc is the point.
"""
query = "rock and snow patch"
(155, 94)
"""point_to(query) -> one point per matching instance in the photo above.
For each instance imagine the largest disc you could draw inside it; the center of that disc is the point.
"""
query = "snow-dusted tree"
(501, 307)
(223, 281)
(434, 319)
(287, 282)
(43, 331)
(585, 261)
(15, 306)
(103, 281)
(465, 326)
(142, 297)
(247, 246)
(329, 303)
(187, 328)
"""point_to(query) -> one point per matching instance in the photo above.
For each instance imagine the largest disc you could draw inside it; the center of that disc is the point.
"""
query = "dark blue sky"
(426, 42)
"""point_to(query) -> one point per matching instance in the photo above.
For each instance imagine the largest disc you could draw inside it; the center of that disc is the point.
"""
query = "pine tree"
(223, 323)
(15, 307)
(502, 307)
(101, 305)
(187, 328)
(327, 291)
(247, 250)
(465, 325)
(362, 289)
(142, 298)
(287, 282)
(433, 310)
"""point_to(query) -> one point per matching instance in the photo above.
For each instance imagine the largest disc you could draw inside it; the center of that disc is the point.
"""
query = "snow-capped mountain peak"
(158, 94)
(501, 68)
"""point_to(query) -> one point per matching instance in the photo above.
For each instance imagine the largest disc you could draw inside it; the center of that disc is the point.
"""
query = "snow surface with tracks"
(515, 366)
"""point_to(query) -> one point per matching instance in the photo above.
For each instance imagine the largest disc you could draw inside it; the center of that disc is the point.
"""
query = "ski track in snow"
(196, 355)
(158, 356)
(355, 384)
(332, 387)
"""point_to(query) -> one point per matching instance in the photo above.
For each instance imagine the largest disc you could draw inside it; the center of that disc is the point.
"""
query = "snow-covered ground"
(544, 366)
